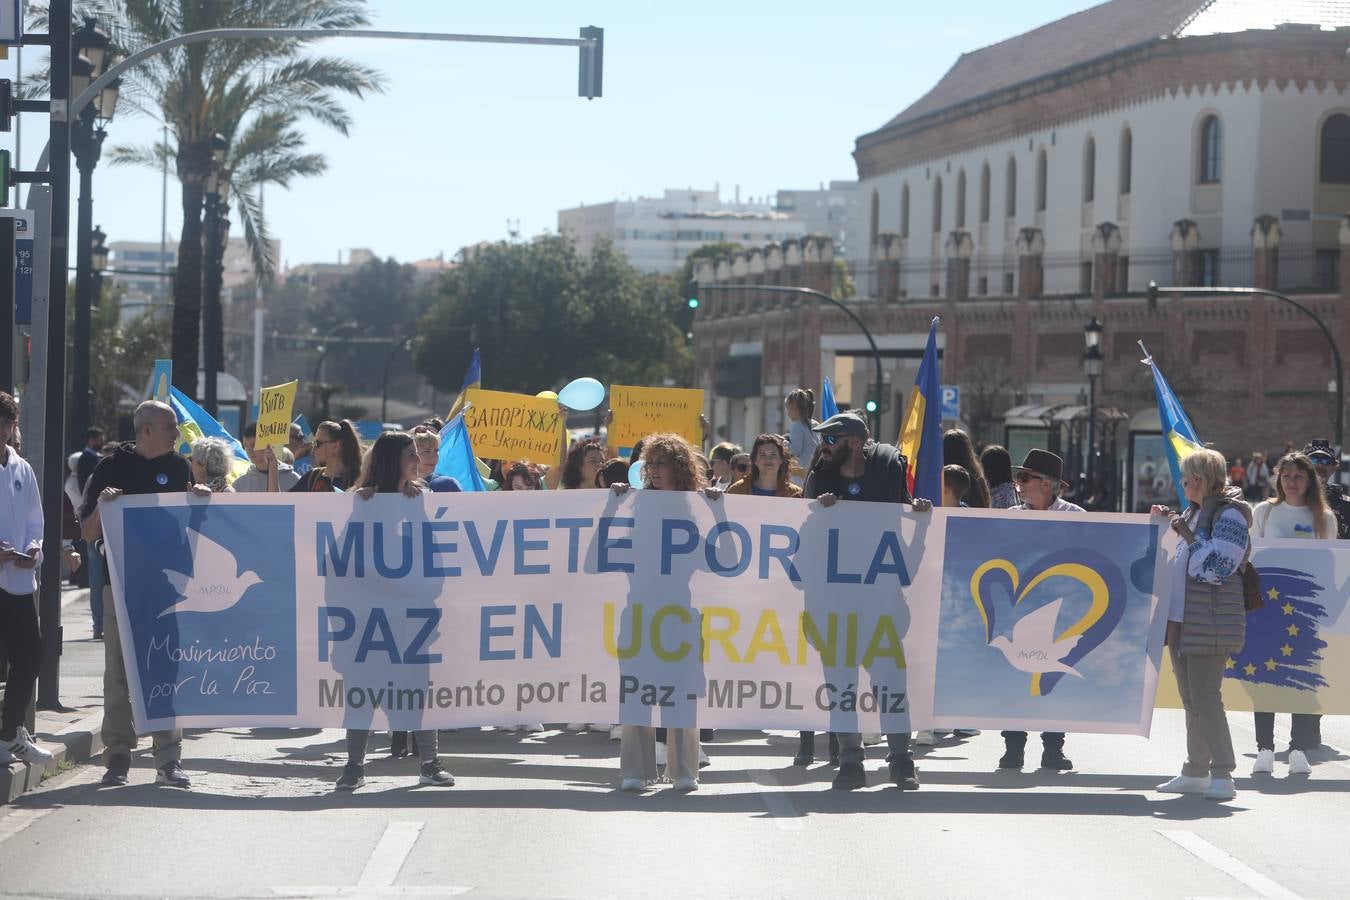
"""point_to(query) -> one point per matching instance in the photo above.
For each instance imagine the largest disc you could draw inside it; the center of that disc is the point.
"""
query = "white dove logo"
(1033, 647)
(203, 591)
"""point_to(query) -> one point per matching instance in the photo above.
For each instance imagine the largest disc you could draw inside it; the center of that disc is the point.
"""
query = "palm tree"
(253, 93)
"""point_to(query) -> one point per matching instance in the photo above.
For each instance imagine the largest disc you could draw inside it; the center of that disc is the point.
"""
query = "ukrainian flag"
(828, 407)
(1180, 439)
(195, 422)
(456, 456)
(472, 379)
(921, 434)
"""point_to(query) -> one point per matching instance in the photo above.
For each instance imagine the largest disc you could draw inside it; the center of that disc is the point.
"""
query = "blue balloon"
(635, 476)
(582, 394)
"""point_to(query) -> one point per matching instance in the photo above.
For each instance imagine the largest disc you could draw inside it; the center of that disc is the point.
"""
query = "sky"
(469, 141)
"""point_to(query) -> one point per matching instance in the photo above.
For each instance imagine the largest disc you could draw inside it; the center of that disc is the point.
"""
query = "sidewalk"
(73, 737)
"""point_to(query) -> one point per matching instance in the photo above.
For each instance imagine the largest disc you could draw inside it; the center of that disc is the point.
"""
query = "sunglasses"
(830, 440)
(1322, 460)
(1027, 478)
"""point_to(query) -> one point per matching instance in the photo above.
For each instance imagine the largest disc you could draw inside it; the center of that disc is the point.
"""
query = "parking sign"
(951, 402)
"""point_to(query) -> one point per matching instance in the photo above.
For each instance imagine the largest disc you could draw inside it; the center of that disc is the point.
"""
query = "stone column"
(1266, 236)
(704, 273)
(724, 299)
(1345, 257)
(1030, 263)
(959, 248)
(754, 269)
(1185, 241)
(818, 264)
(887, 253)
(740, 302)
(1106, 243)
(792, 265)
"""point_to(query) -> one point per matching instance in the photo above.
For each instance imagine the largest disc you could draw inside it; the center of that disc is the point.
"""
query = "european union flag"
(921, 435)
(1283, 648)
(456, 457)
(827, 405)
(1179, 437)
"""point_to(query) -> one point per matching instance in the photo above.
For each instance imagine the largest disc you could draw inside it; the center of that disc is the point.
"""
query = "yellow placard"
(514, 426)
(640, 411)
(275, 407)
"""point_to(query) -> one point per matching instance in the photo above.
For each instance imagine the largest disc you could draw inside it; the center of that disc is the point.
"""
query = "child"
(955, 483)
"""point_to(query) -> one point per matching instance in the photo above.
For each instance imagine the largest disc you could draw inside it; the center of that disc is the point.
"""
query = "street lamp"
(404, 344)
(216, 217)
(1092, 368)
(90, 58)
(98, 261)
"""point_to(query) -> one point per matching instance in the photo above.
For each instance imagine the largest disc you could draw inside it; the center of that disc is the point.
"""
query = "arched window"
(937, 205)
(1336, 150)
(961, 199)
(1126, 160)
(904, 211)
(1010, 190)
(1089, 171)
(876, 222)
(1211, 151)
(1042, 180)
(984, 193)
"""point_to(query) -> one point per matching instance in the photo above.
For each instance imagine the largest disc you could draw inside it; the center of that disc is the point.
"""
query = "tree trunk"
(193, 163)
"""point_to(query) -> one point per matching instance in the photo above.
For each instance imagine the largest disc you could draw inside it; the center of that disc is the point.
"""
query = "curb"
(77, 743)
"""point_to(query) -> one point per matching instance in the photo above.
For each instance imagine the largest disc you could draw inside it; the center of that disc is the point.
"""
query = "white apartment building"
(826, 211)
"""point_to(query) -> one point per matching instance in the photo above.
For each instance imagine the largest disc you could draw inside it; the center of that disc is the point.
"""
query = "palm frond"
(151, 156)
(256, 236)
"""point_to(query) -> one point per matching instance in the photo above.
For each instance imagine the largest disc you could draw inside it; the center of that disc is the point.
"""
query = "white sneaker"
(22, 748)
(1265, 763)
(1221, 789)
(575, 726)
(660, 754)
(1186, 784)
(925, 739)
(686, 784)
(1298, 763)
(632, 785)
(616, 732)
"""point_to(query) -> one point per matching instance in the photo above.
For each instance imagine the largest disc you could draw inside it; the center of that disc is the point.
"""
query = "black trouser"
(23, 647)
(1050, 740)
(1305, 731)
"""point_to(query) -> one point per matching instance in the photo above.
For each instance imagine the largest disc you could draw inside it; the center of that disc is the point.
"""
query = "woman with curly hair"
(668, 464)
(521, 475)
(210, 460)
(584, 461)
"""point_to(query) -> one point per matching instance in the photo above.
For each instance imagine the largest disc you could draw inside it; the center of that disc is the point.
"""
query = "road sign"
(951, 403)
(24, 229)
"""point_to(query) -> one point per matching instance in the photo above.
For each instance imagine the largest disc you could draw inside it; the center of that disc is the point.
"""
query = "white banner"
(655, 607)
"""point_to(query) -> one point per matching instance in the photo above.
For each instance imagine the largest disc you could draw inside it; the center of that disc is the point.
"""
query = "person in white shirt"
(20, 552)
(1298, 510)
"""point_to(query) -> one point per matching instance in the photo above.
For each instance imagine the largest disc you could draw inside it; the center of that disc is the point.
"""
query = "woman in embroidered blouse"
(997, 464)
(1298, 510)
(1207, 622)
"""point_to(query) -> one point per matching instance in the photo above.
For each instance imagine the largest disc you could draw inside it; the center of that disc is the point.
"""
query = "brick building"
(1187, 142)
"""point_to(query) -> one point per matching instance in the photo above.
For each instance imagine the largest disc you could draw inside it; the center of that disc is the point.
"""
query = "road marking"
(1228, 864)
(377, 878)
(777, 801)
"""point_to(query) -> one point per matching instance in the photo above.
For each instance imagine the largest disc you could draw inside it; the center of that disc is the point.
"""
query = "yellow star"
(1287, 650)
(1249, 669)
(1273, 594)
(1288, 609)
(1293, 630)
(1270, 665)
(1228, 663)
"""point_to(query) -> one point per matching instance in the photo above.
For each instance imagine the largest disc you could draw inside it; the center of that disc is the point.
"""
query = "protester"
(1256, 487)
(21, 526)
(668, 464)
(1327, 463)
(740, 466)
(91, 455)
(149, 465)
(584, 462)
(850, 466)
(956, 485)
(802, 441)
(211, 460)
(428, 445)
(613, 472)
(1039, 482)
(1298, 510)
(301, 450)
(267, 472)
(957, 450)
(1237, 472)
(391, 468)
(337, 459)
(720, 460)
(997, 465)
(522, 475)
(1208, 619)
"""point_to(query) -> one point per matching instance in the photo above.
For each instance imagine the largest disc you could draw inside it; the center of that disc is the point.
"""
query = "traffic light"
(6, 103)
(870, 406)
(5, 178)
(590, 77)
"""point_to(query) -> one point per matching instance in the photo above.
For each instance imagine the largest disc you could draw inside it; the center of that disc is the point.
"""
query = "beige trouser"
(1209, 745)
(637, 753)
(119, 734)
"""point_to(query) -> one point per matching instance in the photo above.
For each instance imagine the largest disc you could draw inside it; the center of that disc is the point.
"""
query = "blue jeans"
(97, 580)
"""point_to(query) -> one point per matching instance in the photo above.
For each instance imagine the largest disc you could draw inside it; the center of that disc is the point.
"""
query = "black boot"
(834, 749)
(850, 776)
(904, 775)
(1014, 747)
(1052, 752)
(806, 749)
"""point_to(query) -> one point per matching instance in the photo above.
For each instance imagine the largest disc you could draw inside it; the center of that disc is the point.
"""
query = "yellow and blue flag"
(921, 434)
(828, 407)
(195, 422)
(473, 378)
(456, 456)
(1179, 437)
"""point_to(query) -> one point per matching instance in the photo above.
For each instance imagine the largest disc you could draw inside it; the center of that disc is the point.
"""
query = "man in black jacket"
(851, 466)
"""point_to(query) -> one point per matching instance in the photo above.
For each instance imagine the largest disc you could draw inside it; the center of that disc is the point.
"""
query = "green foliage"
(122, 355)
(543, 314)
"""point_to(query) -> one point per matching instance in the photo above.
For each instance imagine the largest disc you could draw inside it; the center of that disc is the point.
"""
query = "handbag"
(1252, 598)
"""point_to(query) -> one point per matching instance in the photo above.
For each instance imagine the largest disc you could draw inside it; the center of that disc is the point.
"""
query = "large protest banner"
(640, 411)
(514, 426)
(1297, 654)
(652, 607)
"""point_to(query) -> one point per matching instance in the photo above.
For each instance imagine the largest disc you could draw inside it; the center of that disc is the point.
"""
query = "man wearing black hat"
(1039, 480)
(851, 466)
(1327, 464)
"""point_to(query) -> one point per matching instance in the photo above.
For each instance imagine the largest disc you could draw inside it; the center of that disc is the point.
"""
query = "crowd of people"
(834, 461)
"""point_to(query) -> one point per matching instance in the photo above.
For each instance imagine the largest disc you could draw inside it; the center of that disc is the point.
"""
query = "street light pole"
(819, 295)
(1154, 291)
(384, 386)
(217, 188)
(1092, 367)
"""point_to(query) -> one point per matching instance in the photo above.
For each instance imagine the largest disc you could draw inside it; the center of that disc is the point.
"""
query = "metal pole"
(1155, 291)
(8, 263)
(258, 323)
(819, 295)
(384, 386)
(87, 142)
(211, 319)
(53, 464)
(1091, 431)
